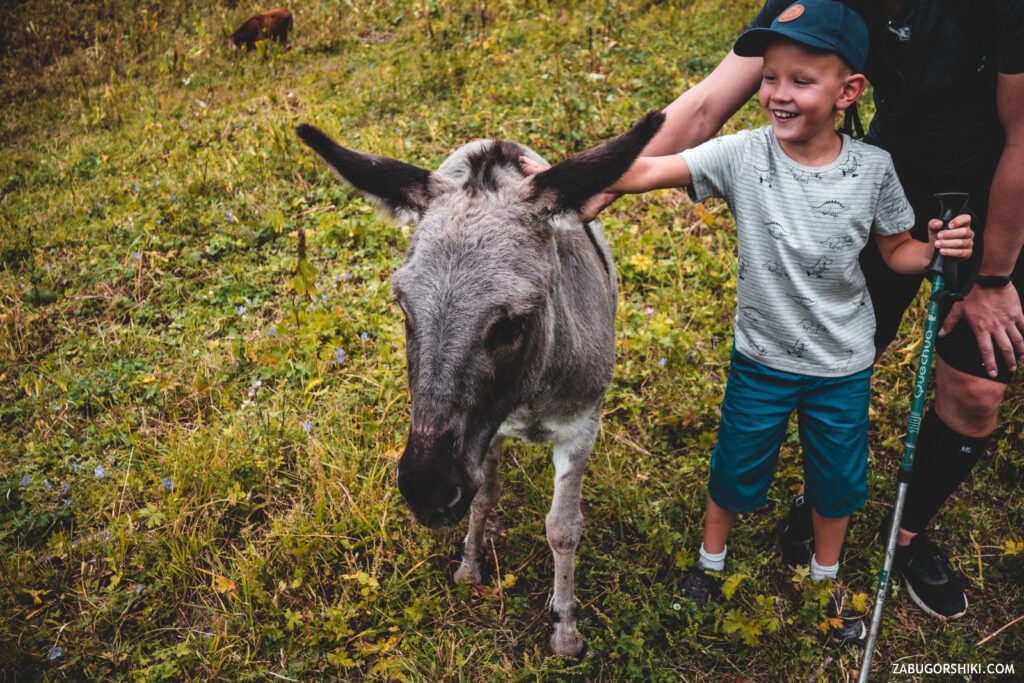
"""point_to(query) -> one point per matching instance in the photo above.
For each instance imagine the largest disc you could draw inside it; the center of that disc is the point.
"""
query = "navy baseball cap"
(823, 24)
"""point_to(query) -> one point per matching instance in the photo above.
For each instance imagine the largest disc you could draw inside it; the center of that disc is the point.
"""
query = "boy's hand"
(955, 242)
(531, 167)
(593, 206)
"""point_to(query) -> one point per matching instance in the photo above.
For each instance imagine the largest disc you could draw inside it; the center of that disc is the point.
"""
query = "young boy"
(805, 199)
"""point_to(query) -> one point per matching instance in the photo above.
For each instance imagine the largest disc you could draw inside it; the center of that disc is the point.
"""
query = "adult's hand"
(997, 321)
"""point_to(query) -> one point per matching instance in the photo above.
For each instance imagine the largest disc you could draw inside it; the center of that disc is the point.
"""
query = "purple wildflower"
(99, 472)
(26, 480)
(167, 483)
(240, 310)
(661, 362)
(364, 336)
(307, 427)
(339, 353)
(54, 652)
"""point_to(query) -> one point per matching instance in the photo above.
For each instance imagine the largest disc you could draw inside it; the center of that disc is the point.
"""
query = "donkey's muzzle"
(436, 500)
(430, 481)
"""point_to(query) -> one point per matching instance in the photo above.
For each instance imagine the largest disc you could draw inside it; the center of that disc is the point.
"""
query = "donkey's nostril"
(456, 498)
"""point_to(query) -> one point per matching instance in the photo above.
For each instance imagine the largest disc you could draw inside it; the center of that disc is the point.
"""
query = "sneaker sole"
(920, 603)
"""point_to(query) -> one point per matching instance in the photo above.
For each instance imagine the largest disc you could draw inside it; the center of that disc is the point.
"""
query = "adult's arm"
(700, 112)
(995, 314)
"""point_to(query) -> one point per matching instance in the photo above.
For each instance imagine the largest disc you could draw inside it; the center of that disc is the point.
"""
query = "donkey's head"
(474, 289)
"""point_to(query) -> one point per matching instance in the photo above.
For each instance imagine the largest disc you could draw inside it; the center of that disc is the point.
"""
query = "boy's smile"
(801, 90)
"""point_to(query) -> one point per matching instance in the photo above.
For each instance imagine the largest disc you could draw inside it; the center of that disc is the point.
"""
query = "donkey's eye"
(503, 332)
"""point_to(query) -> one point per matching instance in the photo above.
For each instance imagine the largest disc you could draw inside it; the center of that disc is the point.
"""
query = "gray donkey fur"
(509, 303)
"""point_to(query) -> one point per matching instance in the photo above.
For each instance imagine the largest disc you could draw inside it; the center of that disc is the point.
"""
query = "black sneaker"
(852, 628)
(796, 534)
(929, 580)
(701, 586)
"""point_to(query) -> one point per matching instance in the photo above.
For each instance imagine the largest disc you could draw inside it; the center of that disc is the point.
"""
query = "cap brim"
(753, 42)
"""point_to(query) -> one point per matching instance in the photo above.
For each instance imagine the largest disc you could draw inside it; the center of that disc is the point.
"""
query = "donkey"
(509, 303)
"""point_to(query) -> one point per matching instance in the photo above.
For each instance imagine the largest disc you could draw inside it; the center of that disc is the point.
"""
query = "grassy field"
(197, 464)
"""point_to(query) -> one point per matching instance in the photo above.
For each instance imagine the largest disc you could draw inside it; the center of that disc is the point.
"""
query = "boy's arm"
(646, 174)
(696, 115)
(904, 254)
(653, 173)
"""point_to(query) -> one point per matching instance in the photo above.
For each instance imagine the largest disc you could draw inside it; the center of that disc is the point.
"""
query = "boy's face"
(801, 89)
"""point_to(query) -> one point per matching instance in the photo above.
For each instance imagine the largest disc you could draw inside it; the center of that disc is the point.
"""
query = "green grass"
(152, 188)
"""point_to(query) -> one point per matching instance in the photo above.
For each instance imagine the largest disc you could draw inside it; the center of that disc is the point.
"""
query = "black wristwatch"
(992, 281)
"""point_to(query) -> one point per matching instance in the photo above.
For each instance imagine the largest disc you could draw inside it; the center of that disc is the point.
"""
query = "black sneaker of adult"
(851, 628)
(796, 534)
(930, 582)
(700, 586)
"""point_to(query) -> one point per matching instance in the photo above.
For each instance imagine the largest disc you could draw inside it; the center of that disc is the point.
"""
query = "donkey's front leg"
(483, 503)
(564, 524)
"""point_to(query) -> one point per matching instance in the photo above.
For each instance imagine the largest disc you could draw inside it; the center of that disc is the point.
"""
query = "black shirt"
(933, 71)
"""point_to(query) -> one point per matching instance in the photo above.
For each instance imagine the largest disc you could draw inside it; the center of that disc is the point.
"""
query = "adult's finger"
(1016, 335)
(1005, 346)
(952, 318)
(988, 354)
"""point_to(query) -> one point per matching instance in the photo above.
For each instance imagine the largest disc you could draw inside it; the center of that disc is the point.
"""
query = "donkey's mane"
(483, 163)
(479, 166)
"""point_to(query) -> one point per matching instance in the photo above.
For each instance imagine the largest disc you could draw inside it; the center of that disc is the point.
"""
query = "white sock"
(818, 572)
(713, 563)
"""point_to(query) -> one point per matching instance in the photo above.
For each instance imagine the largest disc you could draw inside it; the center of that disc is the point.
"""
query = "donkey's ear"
(401, 190)
(569, 184)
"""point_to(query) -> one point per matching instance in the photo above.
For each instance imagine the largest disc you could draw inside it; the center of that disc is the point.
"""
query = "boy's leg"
(717, 524)
(833, 416)
(755, 410)
(829, 533)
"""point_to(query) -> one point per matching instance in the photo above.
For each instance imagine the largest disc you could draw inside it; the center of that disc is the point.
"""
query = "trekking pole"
(950, 204)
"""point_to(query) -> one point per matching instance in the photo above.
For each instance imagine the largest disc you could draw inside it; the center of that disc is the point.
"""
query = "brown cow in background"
(273, 24)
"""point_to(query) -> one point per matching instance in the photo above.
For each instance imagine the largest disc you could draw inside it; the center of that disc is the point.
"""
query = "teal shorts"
(833, 421)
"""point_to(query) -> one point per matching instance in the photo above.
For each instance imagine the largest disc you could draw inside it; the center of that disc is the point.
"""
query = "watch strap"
(992, 281)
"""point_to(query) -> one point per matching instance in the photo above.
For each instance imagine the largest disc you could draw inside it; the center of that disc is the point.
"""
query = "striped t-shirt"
(803, 304)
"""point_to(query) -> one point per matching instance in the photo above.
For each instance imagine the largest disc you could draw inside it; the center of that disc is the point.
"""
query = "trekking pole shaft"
(924, 365)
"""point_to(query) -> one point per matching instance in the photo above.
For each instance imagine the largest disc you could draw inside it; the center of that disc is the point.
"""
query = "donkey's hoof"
(468, 572)
(567, 644)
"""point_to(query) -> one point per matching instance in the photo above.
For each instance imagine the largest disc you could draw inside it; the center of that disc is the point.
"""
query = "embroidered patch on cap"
(791, 13)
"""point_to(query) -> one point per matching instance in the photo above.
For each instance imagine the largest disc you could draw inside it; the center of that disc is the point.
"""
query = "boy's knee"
(729, 494)
(836, 497)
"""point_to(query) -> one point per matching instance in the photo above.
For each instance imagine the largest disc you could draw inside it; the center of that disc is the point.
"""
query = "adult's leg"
(953, 437)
